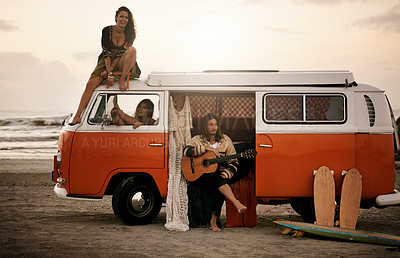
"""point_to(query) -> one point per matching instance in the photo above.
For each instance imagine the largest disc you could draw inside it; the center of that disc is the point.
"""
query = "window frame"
(304, 96)
(108, 95)
(101, 96)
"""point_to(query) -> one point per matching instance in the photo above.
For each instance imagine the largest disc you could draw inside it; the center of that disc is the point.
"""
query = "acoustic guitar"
(194, 167)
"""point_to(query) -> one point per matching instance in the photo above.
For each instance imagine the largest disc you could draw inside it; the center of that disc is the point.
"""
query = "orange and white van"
(296, 120)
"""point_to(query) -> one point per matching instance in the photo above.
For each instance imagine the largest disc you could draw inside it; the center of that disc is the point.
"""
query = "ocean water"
(29, 135)
(34, 135)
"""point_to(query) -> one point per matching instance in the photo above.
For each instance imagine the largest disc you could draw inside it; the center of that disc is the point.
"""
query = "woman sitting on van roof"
(118, 54)
(143, 115)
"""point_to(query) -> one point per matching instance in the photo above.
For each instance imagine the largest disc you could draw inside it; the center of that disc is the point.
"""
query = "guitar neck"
(224, 158)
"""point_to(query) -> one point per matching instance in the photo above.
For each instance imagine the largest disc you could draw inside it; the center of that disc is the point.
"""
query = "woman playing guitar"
(215, 183)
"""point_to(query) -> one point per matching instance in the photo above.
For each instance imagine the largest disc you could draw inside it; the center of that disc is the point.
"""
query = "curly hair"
(130, 31)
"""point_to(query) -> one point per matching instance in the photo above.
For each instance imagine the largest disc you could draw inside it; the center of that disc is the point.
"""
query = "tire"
(295, 204)
(136, 201)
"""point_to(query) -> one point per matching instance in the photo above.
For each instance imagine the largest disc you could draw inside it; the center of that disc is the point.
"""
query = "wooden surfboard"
(342, 233)
(324, 196)
(350, 199)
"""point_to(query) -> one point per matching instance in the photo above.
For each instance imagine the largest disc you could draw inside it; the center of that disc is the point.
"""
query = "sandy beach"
(33, 222)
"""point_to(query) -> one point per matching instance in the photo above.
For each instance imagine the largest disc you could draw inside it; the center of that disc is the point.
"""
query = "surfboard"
(342, 233)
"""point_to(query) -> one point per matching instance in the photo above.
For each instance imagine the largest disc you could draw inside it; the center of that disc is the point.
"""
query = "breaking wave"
(28, 135)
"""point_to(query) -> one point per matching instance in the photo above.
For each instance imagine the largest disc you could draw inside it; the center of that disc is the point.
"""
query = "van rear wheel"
(136, 201)
(304, 207)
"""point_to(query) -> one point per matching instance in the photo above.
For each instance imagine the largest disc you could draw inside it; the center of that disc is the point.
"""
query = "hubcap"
(138, 202)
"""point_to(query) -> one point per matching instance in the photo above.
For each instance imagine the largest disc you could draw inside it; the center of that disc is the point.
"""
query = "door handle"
(265, 145)
(155, 144)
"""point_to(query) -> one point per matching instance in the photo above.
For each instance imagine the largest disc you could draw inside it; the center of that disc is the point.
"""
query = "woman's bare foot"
(240, 207)
(213, 223)
(215, 228)
(243, 209)
(75, 120)
(122, 84)
(110, 80)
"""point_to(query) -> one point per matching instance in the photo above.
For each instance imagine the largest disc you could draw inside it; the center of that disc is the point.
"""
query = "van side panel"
(374, 143)
(95, 155)
(286, 168)
(375, 161)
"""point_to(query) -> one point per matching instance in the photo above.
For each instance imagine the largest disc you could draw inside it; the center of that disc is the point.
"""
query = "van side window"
(324, 108)
(304, 108)
(128, 104)
(284, 108)
(126, 108)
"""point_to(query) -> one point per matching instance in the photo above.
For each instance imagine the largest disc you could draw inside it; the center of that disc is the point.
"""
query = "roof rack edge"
(240, 71)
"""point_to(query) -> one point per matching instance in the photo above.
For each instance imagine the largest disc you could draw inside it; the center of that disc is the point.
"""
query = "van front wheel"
(136, 201)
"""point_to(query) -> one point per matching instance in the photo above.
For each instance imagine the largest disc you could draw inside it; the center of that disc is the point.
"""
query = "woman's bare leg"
(87, 94)
(126, 62)
(114, 64)
(227, 192)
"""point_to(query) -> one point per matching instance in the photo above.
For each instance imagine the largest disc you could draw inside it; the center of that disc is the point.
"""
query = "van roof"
(251, 78)
(245, 80)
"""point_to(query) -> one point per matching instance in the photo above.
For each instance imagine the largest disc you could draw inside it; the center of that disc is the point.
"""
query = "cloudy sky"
(49, 48)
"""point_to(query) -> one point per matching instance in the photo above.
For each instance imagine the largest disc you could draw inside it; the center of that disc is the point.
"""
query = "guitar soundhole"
(205, 163)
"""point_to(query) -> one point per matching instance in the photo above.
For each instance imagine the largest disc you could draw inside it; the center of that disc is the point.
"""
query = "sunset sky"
(49, 48)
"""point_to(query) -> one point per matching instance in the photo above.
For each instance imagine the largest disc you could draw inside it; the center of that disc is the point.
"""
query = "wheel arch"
(118, 177)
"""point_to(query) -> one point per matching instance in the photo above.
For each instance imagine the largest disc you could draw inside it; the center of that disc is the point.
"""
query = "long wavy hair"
(205, 134)
(149, 115)
(130, 31)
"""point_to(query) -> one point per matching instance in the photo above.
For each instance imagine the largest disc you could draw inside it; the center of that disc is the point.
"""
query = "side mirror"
(67, 119)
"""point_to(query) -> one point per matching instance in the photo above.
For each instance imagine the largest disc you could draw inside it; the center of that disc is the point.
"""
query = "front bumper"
(63, 194)
(60, 191)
